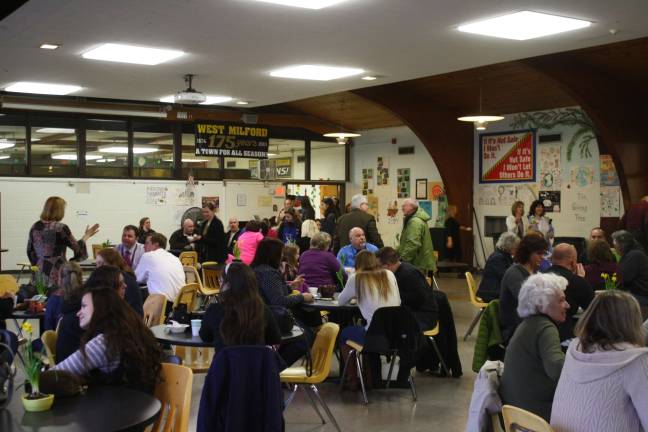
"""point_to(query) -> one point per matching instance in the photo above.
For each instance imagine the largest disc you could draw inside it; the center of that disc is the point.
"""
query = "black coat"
(133, 293)
(210, 327)
(417, 295)
(496, 265)
(358, 218)
(213, 245)
(69, 332)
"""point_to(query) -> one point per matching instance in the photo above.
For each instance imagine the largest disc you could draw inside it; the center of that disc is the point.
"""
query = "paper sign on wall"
(507, 157)
(156, 195)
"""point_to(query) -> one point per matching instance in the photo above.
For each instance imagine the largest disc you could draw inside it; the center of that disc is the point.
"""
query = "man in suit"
(212, 243)
(358, 218)
(129, 248)
(233, 234)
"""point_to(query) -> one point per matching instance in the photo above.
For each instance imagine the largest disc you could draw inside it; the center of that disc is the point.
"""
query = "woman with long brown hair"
(240, 317)
(116, 347)
(133, 295)
(373, 287)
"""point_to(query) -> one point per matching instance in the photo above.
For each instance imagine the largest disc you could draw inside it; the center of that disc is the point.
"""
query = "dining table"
(100, 409)
(164, 336)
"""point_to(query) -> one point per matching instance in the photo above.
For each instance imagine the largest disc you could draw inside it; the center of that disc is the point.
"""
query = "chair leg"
(444, 367)
(291, 396)
(326, 408)
(309, 392)
(391, 368)
(344, 370)
(361, 375)
(473, 323)
(412, 388)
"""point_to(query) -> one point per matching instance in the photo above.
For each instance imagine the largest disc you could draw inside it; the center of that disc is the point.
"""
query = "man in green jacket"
(415, 240)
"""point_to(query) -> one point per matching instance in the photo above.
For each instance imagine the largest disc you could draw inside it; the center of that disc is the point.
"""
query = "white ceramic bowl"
(179, 328)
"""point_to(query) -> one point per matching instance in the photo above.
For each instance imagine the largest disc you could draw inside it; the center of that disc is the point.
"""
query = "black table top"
(102, 408)
(320, 304)
(186, 339)
(25, 314)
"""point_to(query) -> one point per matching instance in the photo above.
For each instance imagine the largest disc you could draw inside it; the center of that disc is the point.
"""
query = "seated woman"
(289, 264)
(318, 265)
(604, 380)
(633, 268)
(534, 358)
(116, 347)
(133, 295)
(601, 261)
(71, 279)
(240, 317)
(496, 265)
(308, 230)
(69, 333)
(248, 242)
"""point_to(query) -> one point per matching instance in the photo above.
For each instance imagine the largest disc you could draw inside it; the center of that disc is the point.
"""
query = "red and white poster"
(507, 157)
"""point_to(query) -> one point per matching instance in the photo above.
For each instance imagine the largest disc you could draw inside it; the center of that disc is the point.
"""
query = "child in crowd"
(289, 264)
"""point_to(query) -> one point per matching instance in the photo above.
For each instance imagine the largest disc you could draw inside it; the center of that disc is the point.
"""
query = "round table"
(187, 339)
(102, 408)
(329, 305)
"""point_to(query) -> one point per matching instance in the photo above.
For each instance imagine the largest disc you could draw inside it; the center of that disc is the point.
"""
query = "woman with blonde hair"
(373, 287)
(603, 382)
(516, 223)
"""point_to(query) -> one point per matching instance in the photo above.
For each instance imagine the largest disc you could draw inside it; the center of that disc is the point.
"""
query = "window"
(328, 161)
(202, 167)
(13, 148)
(152, 149)
(106, 148)
(54, 147)
(286, 161)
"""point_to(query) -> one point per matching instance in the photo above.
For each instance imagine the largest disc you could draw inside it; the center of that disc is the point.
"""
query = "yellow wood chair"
(154, 309)
(188, 295)
(189, 258)
(174, 393)
(49, 342)
(210, 278)
(517, 419)
(198, 359)
(496, 422)
(431, 334)
(322, 355)
(476, 301)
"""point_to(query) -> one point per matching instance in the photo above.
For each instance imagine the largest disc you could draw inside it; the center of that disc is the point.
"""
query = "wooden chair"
(198, 359)
(210, 279)
(192, 276)
(322, 355)
(431, 334)
(95, 249)
(189, 258)
(496, 422)
(476, 301)
(25, 268)
(516, 419)
(174, 393)
(8, 284)
(154, 309)
(49, 342)
(187, 295)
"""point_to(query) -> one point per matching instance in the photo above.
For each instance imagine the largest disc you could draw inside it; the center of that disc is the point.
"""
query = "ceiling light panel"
(53, 130)
(132, 54)
(524, 25)
(211, 100)
(315, 72)
(306, 4)
(49, 46)
(42, 88)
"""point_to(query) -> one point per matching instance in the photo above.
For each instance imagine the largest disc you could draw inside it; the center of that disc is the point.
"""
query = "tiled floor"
(442, 402)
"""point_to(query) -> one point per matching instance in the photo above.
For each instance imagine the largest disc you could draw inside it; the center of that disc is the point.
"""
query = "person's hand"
(308, 297)
(90, 231)
(297, 281)
(196, 238)
(580, 270)
(449, 243)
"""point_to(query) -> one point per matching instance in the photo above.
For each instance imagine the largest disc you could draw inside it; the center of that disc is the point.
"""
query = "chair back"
(191, 274)
(189, 258)
(472, 292)
(8, 284)
(187, 296)
(519, 420)
(211, 282)
(95, 249)
(49, 342)
(174, 393)
(392, 329)
(322, 352)
(154, 309)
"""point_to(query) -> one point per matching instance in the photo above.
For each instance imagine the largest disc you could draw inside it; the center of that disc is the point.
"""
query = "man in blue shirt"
(347, 254)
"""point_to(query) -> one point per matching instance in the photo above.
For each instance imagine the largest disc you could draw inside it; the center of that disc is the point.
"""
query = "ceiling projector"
(189, 96)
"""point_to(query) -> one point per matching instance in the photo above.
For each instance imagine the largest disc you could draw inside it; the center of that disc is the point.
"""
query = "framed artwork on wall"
(421, 189)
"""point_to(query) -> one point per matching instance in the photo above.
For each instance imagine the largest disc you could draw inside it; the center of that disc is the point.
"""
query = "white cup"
(195, 327)
(313, 290)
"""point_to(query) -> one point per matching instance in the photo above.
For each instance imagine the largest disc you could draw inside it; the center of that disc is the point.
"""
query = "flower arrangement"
(610, 281)
(40, 284)
(32, 365)
(340, 272)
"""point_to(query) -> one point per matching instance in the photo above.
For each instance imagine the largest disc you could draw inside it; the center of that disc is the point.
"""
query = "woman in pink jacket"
(248, 242)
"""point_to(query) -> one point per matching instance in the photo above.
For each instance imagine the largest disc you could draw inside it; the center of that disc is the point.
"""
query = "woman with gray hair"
(633, 267)
(496, 265)
(534, 358)
(318, 265)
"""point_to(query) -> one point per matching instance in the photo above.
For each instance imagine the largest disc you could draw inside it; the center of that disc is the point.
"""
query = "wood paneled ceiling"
(508, 87)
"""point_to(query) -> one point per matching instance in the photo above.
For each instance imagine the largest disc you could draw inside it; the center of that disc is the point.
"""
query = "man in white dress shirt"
(160, 270)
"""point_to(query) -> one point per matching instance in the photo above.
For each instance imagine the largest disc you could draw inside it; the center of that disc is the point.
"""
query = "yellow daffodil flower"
(27, 327)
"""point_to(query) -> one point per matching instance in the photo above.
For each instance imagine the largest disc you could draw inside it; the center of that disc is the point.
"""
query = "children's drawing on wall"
(426, 205)
(549, 166)
(403, 182)
(382, 172)
(609, 175)
(526, 193)
(550, 201)
(392, 213)
(500, 195)
(443, 208)
(435, 190)
(367, 181)
(156, 195)
(610, 201)
(581, 176)
(584, 134)
(373, 207)
(210, 199)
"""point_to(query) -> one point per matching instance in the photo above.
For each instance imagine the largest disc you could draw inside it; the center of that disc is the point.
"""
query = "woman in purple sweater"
(318, 265)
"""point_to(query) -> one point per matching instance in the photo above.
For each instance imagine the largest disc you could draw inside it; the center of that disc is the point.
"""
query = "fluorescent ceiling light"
(188, 160)
(524, 25)
(272, 154)
(5, 143)
(131, 54)
(42, 88)
(480, 118)
(315, 72)
(306, 4)
(242, 103)
(211, 100)
(73, 156)
(5, 157)
(342, 135)
(124, 149)
(49, 46)
(369, 78)
(54, 131)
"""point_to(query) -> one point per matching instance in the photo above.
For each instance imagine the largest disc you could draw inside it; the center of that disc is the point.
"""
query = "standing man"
(129, 248)
(358, 242)
(289, 202)
(184, 239)
(212, 241)
(415, 240)
(161, 271)
(358, 217)
(233, 234)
